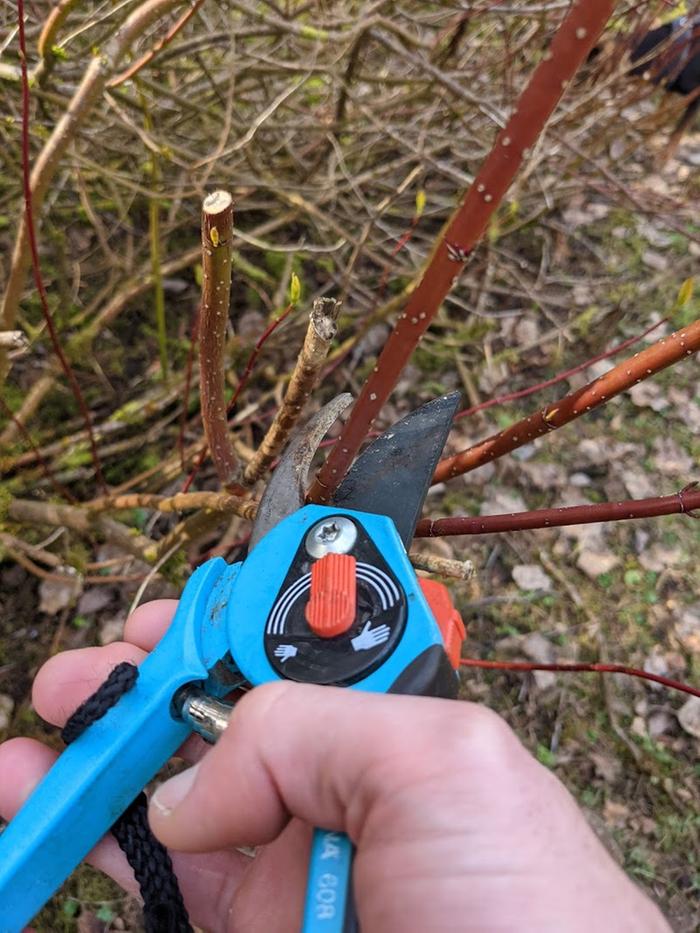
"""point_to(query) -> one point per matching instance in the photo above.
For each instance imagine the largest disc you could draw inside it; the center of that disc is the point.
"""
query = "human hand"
(456, 826)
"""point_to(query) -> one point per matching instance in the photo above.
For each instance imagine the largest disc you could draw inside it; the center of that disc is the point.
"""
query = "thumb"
(326, 755)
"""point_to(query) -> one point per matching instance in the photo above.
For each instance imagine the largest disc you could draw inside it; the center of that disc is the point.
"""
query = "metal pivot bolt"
(206, 715)
(334, 535)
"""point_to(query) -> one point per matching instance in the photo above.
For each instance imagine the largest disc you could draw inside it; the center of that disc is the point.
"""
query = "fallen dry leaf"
(55, 595)
(615, 813)
(502, 499)
(531, 577)
(658, 557)
(688, 629)
(670, 459)
(608, 768)
(7, 705)
(689, 716)
(638, 484)
(94, 599)
(648, 395)
(593, 563)
(112, 629)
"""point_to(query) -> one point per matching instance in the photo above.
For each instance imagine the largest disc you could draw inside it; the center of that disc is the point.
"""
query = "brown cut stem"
(442, 566)
(13, 340)
(217, 234)
(307, 372)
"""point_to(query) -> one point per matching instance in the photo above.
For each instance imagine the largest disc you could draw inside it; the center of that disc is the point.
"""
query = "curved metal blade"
(391, 477)
(287, 487)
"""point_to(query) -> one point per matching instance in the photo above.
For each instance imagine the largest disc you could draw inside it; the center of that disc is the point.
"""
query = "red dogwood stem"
(629, 372)
(524, 666)
(686, 500)
(571, 44)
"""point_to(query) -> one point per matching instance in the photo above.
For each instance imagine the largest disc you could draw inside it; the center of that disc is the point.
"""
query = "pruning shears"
(326, 595)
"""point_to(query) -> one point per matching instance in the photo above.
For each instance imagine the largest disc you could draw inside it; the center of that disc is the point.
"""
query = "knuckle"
(251, 711)
(479, 735)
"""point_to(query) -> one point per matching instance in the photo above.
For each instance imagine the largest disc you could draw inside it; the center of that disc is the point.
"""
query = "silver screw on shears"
(334, 535)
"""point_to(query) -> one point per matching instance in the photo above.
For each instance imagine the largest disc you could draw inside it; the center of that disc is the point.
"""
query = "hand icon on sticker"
(285, 652)
(370, 637)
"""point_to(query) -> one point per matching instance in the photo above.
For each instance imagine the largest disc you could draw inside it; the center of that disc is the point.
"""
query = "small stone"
(615, 813)
(481, 475)
(639, 727)
(525, 452)
(653, 235)
(670, 459)
(608, 768)
(250, 326)
(541, 651)
(664, 664)
(527, 331)
(544, 476)
(617, 148)
(598, 369)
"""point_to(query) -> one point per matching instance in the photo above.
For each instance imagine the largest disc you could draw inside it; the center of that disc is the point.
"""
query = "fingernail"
(170, 795)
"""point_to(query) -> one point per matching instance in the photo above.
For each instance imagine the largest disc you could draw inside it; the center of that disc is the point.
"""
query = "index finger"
(149, 622)
(69, 678)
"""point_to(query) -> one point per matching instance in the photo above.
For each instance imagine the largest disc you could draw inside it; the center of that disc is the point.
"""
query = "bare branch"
(307, 371)
(217, 233)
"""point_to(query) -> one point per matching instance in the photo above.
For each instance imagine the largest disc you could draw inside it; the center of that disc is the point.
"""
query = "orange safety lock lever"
(447, 617)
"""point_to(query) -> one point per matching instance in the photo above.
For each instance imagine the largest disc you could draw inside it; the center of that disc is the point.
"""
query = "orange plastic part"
(332, 606)
(447, 617)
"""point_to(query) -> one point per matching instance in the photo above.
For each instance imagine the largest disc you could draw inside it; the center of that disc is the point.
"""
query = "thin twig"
(442, 566)
(34, 254)
(305, 376)
(180, 502)
(146, 59)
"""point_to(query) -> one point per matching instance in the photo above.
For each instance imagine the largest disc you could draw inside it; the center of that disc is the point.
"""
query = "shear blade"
(285, 492)
(392, 476)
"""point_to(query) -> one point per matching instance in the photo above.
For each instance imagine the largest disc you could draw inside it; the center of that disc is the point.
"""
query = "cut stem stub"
(217, 234)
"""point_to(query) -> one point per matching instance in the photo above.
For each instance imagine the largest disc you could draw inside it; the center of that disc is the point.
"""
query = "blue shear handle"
(98, 776)
(329, 907)
(92, 782)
